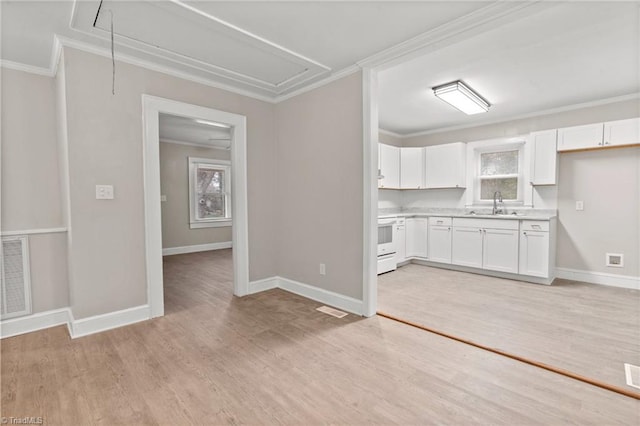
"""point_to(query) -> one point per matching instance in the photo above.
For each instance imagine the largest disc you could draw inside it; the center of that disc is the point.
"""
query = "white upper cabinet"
(445, 166)
(544, 157)
(389, 159)
(580, 137)
(622, 132)
(411, 168)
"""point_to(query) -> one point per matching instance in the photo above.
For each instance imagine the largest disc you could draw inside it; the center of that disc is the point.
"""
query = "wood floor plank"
(271, 358)
(590, 330)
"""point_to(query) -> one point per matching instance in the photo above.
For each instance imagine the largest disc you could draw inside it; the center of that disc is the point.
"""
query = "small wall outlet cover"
(104, 192)
(579, 205)
(163, 198)
(323, 269)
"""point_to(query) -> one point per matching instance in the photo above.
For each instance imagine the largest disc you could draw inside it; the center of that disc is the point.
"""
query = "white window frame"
(475, 149)
(194, 222)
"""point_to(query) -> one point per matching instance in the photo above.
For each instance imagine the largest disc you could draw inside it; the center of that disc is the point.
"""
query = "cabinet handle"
(606, 143)
(524, 233)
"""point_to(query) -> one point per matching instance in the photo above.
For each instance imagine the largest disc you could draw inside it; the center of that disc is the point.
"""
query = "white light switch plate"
(104, 192)
(579, 205)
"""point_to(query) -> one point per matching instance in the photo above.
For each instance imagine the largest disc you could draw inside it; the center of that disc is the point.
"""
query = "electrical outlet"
(163, 198)
(579, 205)
(104, 192)
(323, 269)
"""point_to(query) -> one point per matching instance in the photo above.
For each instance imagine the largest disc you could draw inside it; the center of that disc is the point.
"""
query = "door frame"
(370, 198)
(152, 106)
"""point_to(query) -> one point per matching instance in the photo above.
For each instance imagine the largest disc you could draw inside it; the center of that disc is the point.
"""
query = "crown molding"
(333, 77)
(129, 59)
(463, 27)
(196, 145)
(566, 108)
(17, 66)
(390, 133)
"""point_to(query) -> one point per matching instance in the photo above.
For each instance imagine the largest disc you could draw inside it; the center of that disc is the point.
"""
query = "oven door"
(386, 243)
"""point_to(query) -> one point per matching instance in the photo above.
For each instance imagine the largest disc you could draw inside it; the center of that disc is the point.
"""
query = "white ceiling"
(188, 131)
(268, 49)
(564, 55)
(521, 60)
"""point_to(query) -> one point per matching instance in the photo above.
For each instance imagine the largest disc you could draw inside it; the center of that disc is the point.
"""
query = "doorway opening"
(213, 183)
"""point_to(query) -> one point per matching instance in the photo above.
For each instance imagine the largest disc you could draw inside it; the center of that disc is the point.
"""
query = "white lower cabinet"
(512, 246)
(535, 254)
(400, 239)
(486, 243)
(500, 249)
(466, 247)
(440, 239)
(416, 237)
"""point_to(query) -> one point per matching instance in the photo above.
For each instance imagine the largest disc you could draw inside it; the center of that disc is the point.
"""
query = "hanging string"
(113, 59)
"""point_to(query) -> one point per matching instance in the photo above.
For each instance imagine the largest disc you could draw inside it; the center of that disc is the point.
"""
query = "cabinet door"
(389, 166)
(466, 247)
(622, 132)
(440, 243)
(401, 243)
(416, 237)
(534, 253)
(445, 165)
(544, 157)
(500, 250)
(580, 137)
(411, 168)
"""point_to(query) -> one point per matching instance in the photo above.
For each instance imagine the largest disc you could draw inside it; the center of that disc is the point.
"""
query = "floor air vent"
(14, 277)
(632, 374)
(333, 312)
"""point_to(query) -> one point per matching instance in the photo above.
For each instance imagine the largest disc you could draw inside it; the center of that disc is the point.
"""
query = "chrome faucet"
(497, 198)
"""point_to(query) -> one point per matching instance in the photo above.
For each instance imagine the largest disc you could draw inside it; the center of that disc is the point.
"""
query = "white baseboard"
(263, 285)
(613, 280)
(77, 328)
(108, 321)
(27, 324)
(196, 248)
(327, 297)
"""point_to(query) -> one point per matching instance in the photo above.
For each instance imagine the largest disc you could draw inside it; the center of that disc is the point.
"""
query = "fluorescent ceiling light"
(211, 123)
(461, 97)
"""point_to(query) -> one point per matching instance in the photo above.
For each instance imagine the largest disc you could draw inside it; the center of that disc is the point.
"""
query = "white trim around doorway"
(370, 183)
(152, 106)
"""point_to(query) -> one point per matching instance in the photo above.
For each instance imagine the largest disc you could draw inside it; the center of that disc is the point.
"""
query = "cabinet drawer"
(440, 221)
(462, 222)
(535, 225)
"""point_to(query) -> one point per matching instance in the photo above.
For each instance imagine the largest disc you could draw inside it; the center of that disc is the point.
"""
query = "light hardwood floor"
(588, 329)
(271, 358)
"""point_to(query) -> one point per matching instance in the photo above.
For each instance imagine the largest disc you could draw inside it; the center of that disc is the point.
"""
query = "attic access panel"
(192, 39)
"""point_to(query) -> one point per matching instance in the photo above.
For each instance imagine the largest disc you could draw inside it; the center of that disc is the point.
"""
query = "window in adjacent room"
(209, 192)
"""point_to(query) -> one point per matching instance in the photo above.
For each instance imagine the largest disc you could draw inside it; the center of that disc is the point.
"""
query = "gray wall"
(608, 181)
(30, 185)
(107, 271)
(609, 184)
(320, 186)
(174, 182)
